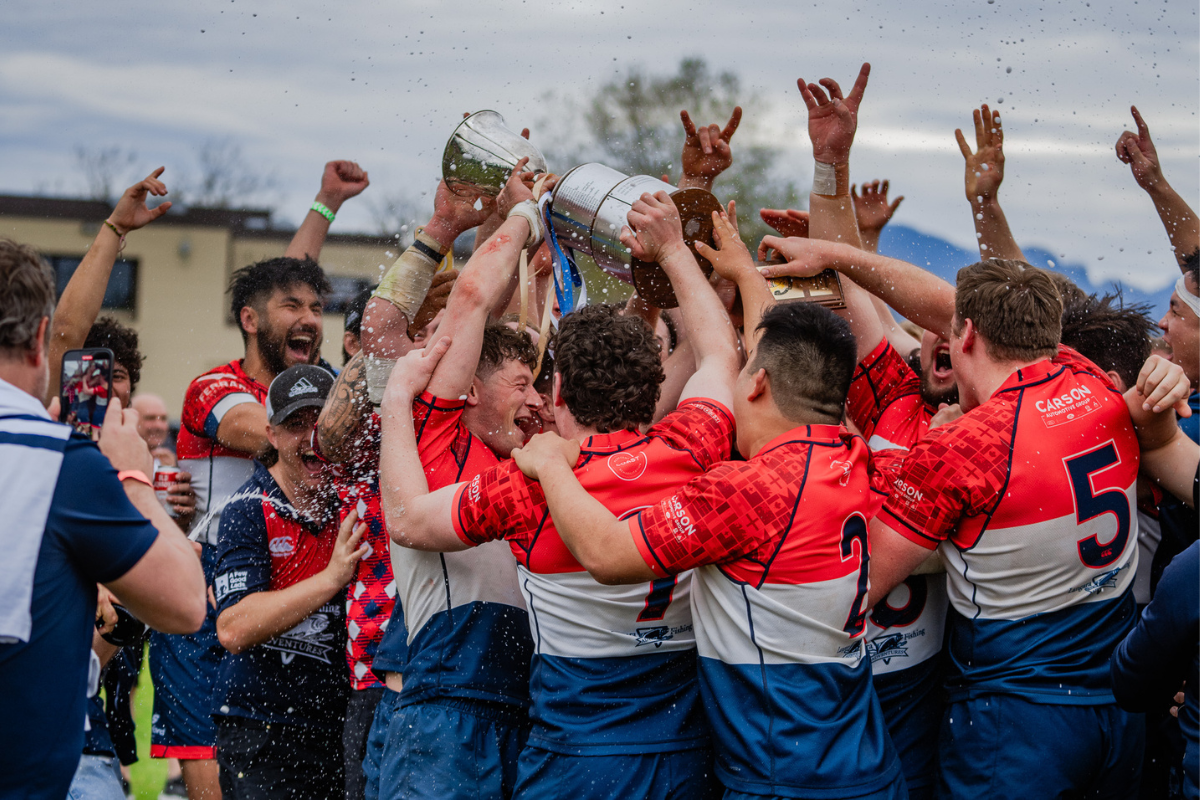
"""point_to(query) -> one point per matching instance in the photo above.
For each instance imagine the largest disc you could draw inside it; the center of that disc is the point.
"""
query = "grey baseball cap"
(301, 386)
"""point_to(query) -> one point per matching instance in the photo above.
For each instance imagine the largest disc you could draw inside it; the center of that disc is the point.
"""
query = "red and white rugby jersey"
(614, 666)
(459, 628)
(779, 553)
(217, 471)
(906, 627)
(1032, 496)
(884, 401)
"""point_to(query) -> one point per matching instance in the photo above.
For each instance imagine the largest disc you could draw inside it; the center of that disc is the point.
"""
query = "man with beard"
(277, 304)
(281, 574)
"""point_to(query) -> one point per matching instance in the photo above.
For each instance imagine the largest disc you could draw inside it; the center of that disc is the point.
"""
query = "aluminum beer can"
(164, 476)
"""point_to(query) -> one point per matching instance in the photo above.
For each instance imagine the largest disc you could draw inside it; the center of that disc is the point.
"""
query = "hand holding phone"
(86, 389)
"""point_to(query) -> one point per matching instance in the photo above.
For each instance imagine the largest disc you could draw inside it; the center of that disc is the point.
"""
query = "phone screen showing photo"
(86, 389)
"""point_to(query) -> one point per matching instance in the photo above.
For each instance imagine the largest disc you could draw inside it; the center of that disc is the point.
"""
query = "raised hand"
(656, 230)
(517, 190)
(833, 119)
(131, 212)
(872, 208)
(706, 151)
(789, 221)
(454, 214)
(543, 450)
(340, 181)
(1137, 150)
(411, 375)
(730, 258)
(985, 167)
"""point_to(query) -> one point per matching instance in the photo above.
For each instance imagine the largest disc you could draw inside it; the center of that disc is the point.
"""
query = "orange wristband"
(134, 475)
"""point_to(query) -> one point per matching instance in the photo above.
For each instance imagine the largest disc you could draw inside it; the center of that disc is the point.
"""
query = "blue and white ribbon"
(567, 279)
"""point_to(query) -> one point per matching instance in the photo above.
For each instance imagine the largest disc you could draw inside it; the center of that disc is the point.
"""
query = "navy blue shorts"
(1004, 746)
(184, 669)
(912, 703)
(893, 791)
(684, 775)
(443, 748)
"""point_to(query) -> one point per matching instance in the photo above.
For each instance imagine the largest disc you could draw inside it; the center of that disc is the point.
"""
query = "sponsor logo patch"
(1102, 582)
(230, 583)
(281, 546)
(302, 386)
(627, 466)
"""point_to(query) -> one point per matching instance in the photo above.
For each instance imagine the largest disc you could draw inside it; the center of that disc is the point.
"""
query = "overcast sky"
(298, 83)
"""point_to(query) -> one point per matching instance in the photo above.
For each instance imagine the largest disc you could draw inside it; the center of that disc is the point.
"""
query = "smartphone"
(85, 389)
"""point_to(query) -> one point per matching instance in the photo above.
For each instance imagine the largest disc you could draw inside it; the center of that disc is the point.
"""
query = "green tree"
(632, 124)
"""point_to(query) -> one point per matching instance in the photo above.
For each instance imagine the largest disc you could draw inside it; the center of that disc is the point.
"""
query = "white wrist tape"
(378, 372)
(408, 280)
(529, 210)
(824, 179)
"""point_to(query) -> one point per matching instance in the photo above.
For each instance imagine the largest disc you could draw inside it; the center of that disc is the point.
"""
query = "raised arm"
(340, 181)
(732, 261)
(659, 237)
(919, 295)
(706, 152)
(873, 211)
(415, 518)
(1137, 150)
(984, 174)
(84, 295)
(392, 313)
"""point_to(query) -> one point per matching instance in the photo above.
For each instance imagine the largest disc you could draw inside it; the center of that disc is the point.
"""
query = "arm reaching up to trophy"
(396, 304)
(984, 174)
(706, 151)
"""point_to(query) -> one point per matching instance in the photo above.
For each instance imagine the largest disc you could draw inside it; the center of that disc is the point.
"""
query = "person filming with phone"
(77, 513)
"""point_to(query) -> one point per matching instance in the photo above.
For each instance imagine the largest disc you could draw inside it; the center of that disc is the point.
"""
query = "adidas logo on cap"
(302, 386)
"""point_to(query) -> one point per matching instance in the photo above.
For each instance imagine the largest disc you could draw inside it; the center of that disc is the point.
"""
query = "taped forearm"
(408, 280)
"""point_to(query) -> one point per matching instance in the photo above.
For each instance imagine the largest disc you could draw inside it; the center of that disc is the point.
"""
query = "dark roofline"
(244, 223)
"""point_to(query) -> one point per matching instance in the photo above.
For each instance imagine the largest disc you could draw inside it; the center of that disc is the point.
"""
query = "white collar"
(19, 401)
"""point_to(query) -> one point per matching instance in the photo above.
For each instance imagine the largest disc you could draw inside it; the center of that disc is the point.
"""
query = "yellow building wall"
(181, 311)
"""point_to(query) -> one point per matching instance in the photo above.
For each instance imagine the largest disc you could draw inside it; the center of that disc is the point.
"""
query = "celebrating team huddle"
(744, 536)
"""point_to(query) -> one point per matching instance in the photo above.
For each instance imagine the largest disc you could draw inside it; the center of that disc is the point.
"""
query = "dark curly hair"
(252, 285)
(501, 343)
(123, 342)
(610, 368)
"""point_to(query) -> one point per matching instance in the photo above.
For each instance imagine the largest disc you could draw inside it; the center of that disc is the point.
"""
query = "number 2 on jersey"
(855, 530)
(1088, 506)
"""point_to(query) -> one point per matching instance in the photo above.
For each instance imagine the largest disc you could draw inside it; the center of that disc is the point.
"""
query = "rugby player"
(455, 657)
(282, 568)
(616, 709)
(778, 545)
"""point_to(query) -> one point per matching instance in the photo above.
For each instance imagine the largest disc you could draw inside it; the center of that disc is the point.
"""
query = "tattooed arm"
(344, 413)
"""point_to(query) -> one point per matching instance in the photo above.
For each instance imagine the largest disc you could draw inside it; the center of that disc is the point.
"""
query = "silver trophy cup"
(591, 204)
(481, 155)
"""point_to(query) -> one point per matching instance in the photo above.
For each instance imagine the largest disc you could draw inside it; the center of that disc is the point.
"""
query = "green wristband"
(323, 210)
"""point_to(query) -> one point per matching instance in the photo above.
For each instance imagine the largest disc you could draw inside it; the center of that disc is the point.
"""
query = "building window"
(121, 292)
(344, 290)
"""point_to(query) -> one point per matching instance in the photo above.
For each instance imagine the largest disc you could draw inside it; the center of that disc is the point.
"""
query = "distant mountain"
(945, 259)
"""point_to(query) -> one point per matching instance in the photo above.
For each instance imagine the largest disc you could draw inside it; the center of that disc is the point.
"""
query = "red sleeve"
(958, 471)
(496, 503)
(209, 398)
(704, 428)
(880, 379)
(443, 442)
(716, 517)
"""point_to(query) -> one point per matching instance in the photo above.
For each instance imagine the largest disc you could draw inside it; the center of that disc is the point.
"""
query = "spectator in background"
(155, 426)
(77, 515)
(352, 326)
